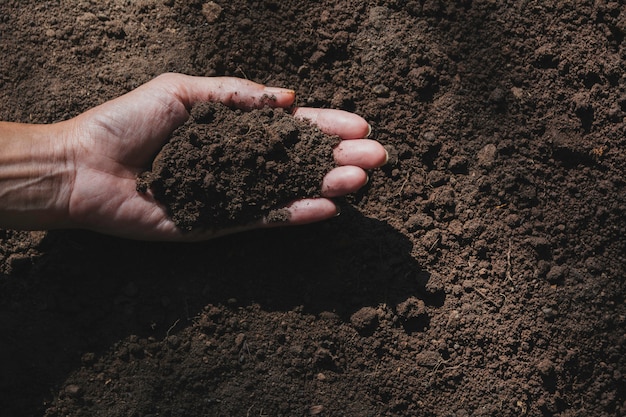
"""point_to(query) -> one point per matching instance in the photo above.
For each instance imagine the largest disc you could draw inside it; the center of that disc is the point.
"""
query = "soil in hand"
(226, 168)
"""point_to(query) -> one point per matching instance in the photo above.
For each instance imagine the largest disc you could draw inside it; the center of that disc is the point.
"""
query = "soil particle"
(211, 11)
(227, 168)
(557, 274)
(365, 320)
(413, 315)
(73, 391)
(486, 156)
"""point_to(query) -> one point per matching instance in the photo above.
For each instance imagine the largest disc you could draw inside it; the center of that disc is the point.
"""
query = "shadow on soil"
(89, 291)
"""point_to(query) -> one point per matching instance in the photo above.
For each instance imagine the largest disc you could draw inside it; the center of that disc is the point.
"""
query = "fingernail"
(338, 213)
(367, 179)
(369, 130)
(278, 90)
(386, 157)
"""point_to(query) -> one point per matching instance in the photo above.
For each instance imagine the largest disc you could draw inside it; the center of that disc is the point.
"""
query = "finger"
(339, 181)
(344, 124)
(343, 180)
(231, 91)
(364, 153)
(300, 212)
(306, 211)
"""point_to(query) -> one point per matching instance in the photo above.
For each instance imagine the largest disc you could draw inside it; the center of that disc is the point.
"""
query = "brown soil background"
(480, 274)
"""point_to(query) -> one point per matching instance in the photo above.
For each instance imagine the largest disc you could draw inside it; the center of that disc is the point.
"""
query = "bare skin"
(81, 173)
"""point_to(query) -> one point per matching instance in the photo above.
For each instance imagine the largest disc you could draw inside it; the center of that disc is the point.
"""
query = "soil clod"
(226, 168)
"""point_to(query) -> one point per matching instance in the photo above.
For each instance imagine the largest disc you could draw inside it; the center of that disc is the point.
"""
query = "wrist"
(35, 176)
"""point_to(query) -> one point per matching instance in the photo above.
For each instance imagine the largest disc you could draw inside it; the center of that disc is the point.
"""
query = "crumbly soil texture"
(225, 168)
(479, 273)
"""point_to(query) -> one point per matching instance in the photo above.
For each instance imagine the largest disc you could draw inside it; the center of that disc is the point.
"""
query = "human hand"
(109, 145)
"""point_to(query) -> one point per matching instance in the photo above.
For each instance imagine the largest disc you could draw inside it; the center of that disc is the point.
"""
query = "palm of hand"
(116, 142)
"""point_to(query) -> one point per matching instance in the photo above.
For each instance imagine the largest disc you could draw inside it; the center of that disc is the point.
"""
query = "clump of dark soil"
(227, 168)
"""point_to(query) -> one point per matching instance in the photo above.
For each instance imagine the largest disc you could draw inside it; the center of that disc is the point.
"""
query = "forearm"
(34, 174)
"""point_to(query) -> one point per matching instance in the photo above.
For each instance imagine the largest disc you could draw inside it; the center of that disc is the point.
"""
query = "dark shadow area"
(89, 291)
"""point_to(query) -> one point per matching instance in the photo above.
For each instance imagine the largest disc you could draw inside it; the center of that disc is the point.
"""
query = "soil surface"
(226, 168)
(481, 273)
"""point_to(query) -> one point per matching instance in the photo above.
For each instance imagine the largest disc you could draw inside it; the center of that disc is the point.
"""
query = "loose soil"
(225, 169)
(480, 273)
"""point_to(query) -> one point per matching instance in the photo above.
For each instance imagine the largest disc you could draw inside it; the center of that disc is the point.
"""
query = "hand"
(114, 142)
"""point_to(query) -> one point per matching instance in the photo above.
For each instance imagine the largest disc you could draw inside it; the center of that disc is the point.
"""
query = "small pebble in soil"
(381, 90)
(549, 313)
(316, 410)
(73, 391)
(486, 156)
